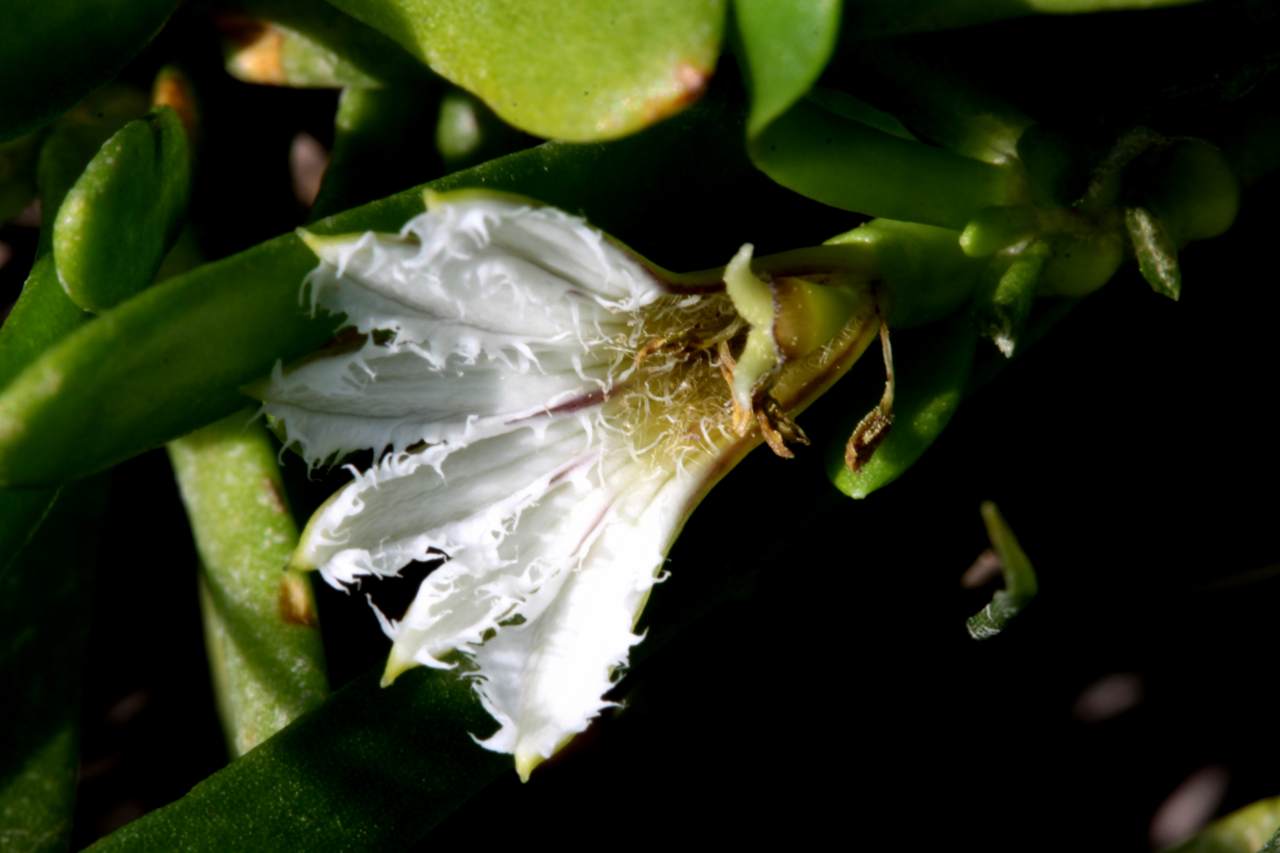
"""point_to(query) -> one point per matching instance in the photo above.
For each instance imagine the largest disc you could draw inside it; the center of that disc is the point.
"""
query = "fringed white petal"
(416, 506)
(380, 397)
(482, 276)
(544, 680)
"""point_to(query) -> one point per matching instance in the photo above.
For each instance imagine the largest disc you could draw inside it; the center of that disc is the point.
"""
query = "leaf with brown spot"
(558, 68)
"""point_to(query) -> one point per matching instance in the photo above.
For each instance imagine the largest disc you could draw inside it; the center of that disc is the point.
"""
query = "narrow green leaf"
(174, 357)
(785, 45)
(309, 44)
(371, 769)
(1156, 250)
(116, 223)
(842, 162)
(54, 52)
(44, 599)
(43, 313)
(932, 367)
(260, 624)
(1019, 578)
(1244, 831)
(559, 68)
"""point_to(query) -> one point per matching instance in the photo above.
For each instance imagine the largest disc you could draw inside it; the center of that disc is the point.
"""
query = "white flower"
(553, 408)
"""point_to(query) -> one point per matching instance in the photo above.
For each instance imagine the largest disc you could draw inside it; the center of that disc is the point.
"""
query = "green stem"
(260, 626)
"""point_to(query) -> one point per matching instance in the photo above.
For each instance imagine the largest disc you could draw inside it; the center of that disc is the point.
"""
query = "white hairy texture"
(489, 313)
(535, 453)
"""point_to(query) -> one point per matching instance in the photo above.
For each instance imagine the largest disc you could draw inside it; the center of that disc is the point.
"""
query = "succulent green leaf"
(43, 313)
(260, 624)
(558, 68)
(1156, 250)
(785, 46)
(923, 274)
(932, 366)
(840, 161)
(116, 223)
(45, 589)
(374, 768)
(1252, 829)
(1019, 578)
(175, 357)
(54, 52)
(309, 45)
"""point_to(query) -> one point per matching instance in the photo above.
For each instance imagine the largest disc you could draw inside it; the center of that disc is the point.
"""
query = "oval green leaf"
(559, 68)
(124, 212)
(785, 45)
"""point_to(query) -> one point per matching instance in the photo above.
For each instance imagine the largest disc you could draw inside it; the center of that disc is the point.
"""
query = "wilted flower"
(554, 407)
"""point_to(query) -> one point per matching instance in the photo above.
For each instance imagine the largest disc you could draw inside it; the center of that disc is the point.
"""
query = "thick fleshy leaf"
(932, 371)
(307, 44)
(174, 357)
(116, 223)
(377, 768)
(45, 589)
(1252, 829)
(573, 71)
(44, 314)
(54, 52)
(260, 623)
(786, 46)
(824, 154)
